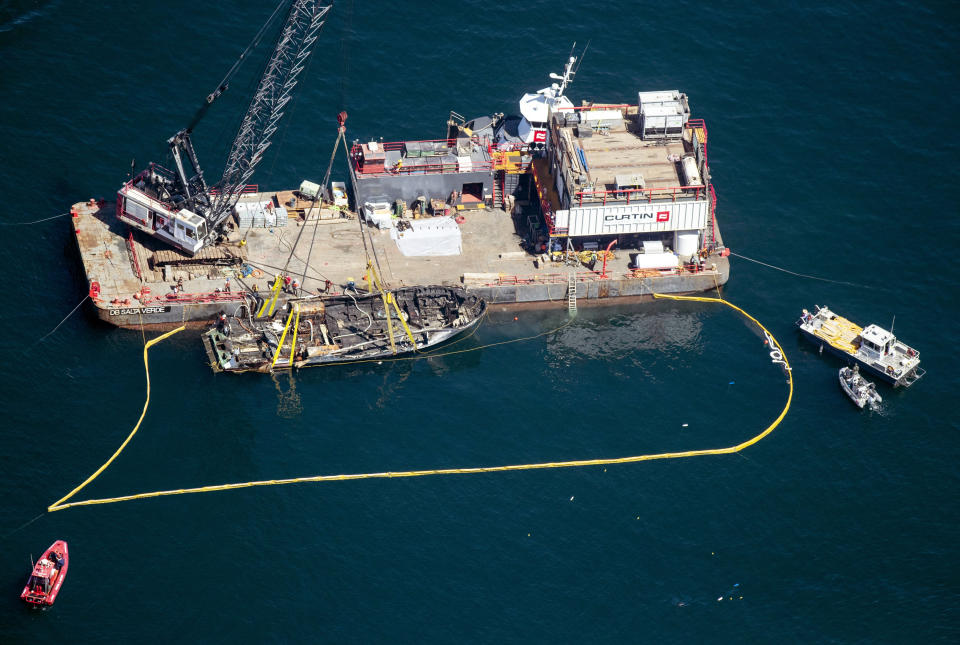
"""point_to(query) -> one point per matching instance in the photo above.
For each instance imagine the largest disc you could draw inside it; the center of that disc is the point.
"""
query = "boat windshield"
(39, 584)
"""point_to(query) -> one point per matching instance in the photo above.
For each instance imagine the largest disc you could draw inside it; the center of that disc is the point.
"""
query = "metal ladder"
(572, 292)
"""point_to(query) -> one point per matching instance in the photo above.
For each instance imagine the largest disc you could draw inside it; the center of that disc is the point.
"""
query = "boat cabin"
(876, 341)
(183, 229)
(44, 575)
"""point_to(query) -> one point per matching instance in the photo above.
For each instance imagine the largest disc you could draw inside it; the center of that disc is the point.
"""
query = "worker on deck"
(351, 285)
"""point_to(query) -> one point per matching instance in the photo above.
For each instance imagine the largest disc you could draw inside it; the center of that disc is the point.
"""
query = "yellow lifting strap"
(374, 280)
(402, 321)
(272, 301)
(293, 343)
(286, 328)
(386, 312)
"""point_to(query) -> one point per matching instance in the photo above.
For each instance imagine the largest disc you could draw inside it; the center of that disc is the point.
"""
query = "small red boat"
(47, 576)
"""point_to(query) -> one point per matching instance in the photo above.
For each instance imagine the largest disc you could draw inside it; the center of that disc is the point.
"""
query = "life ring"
(460, 219)
(256, 273)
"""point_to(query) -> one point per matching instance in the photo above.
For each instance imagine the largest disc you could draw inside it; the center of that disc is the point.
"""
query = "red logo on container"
(663, 216)
(539, 136)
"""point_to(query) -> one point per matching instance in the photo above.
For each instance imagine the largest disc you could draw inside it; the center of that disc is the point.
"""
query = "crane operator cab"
(182, 229)
(189, 230)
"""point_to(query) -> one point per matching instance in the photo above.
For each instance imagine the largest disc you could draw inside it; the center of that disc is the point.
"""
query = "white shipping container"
(634, 218)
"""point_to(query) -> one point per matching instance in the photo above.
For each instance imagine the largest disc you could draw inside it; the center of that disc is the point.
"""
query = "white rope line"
(36, 221)
(64, 320)
(802, 275)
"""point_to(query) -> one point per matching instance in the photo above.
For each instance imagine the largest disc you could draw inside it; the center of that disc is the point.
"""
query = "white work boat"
(861, 391)
(876, 350)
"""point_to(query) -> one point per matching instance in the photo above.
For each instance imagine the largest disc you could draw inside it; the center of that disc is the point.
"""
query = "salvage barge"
(339, 329)
(558, 204)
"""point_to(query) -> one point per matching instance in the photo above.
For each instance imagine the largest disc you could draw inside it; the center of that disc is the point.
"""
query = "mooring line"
(36, 221)
(59, 505)
(42, 338)
(803, 275)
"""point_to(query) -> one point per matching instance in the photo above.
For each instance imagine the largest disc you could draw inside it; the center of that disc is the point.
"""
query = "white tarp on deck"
(426, 237)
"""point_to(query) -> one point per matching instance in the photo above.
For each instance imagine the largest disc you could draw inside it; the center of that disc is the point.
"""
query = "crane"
(178, 206)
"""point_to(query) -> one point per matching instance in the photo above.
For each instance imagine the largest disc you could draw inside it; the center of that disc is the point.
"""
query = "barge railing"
(639, 194)
(195, 298)
(590, 276)
(133, 253)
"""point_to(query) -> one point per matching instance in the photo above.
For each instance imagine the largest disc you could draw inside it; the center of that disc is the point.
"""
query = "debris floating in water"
(685, 425)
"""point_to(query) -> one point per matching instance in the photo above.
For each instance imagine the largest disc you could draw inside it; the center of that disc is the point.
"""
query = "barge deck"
(131, 286)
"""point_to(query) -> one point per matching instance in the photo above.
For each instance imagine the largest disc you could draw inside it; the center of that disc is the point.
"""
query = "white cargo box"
(309, 189)
(629, 181)
(652, 247)
(378, 214)
(663, 114)
(339, 191)
(606, 117)
(658, 97)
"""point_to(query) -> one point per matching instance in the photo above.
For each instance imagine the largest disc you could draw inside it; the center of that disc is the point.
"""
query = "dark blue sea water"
(833, 149)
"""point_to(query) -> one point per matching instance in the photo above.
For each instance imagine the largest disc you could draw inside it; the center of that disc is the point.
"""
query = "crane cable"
(316, 226)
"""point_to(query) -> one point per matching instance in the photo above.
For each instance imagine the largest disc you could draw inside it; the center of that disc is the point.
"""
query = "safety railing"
(133, 253)
(411, 165)
(545, 206)
(713, 215)
(196, 298)
(595, 276)
(699, 125)
(634, 195)
(597, 106)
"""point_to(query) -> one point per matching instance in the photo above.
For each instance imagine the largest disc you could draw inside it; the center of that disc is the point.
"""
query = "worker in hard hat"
(351, 285)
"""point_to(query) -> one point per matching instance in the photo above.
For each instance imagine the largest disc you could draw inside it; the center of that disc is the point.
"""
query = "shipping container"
(634, 218)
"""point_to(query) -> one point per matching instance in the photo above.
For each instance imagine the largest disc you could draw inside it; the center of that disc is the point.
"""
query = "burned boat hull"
(344, 328)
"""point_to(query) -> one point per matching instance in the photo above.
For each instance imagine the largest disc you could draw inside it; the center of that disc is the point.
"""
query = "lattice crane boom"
(294, 45)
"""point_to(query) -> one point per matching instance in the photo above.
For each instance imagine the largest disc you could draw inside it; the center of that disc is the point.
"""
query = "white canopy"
(429, 237)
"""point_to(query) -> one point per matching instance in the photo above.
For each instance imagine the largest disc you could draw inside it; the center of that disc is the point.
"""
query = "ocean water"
(833, 152)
